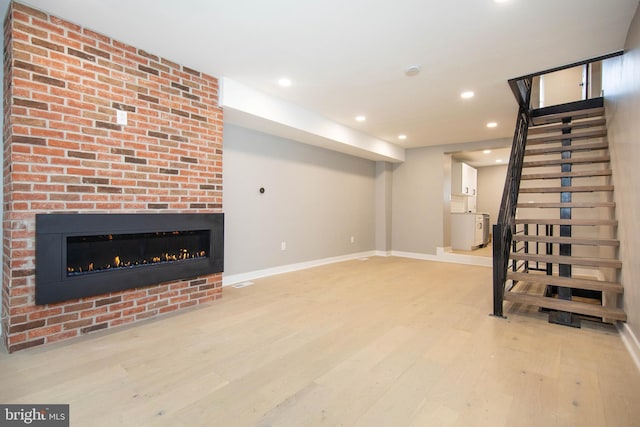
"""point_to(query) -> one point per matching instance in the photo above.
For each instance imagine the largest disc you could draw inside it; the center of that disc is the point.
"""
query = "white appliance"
(469, 231)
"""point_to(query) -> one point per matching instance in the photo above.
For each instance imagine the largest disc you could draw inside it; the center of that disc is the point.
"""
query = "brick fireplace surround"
(64, 152)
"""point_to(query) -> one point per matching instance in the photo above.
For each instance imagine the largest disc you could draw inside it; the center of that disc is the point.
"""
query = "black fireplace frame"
(54, 285)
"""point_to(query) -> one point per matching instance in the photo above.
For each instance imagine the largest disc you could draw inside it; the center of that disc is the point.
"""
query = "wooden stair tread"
(574, 115)
(564, 305)
(559, 127)
(579, 174)
(598, 133)
(553, 221)
(568, 260)
(568, 205)
(567, 282)
(573, 148)
(572, 161)
(566, 240)
(574, 189)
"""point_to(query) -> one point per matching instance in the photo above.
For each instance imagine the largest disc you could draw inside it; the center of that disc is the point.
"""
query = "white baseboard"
(443, 255)
(630, 341)
(383, 253)
(251, 275)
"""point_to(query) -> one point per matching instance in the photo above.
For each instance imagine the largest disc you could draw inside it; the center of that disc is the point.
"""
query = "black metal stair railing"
(534, 248)
(504, 228)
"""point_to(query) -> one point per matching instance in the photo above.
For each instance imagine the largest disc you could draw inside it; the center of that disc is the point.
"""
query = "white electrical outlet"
(121, 117)
(283, 246)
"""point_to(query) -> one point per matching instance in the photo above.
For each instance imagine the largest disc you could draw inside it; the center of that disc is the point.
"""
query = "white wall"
(490, 186)
(561, 87)
(314, 200)
(621, 85)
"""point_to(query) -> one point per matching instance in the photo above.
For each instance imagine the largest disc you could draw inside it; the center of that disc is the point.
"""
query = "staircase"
(563, 243)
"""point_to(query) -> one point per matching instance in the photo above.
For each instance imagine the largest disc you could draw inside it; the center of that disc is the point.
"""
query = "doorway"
(491, 168)
(568, 85)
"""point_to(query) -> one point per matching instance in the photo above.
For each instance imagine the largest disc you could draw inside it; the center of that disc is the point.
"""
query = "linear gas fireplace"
(80, 255)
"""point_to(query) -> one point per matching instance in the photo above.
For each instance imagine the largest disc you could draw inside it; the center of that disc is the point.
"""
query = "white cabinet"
(467, 231)
(470, 179)
(464, 179)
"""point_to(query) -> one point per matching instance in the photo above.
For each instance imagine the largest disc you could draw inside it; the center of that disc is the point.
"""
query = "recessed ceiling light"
(284, 82)
(500, 1)
(492, 125)
(360, 118)
(413, 70)
(402, 137)
(486, 151)
(467, 94)
(499, 161)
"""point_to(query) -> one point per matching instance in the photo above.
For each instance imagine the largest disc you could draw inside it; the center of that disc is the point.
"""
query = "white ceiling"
(484, 158)
(348, 57)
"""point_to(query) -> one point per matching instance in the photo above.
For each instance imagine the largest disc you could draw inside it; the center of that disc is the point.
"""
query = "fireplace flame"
(119, 263)
(93, 256)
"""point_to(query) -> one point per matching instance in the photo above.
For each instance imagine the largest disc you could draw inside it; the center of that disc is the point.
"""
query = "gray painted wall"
(314, 200)
(384, 180)
(418, 202)
(490, 186)
(622, 94)
(421, 191)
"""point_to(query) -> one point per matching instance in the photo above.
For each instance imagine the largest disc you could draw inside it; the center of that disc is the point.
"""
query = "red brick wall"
(64, 152)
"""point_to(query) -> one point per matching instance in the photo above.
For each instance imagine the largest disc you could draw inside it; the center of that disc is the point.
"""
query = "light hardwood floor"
(377, 342)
